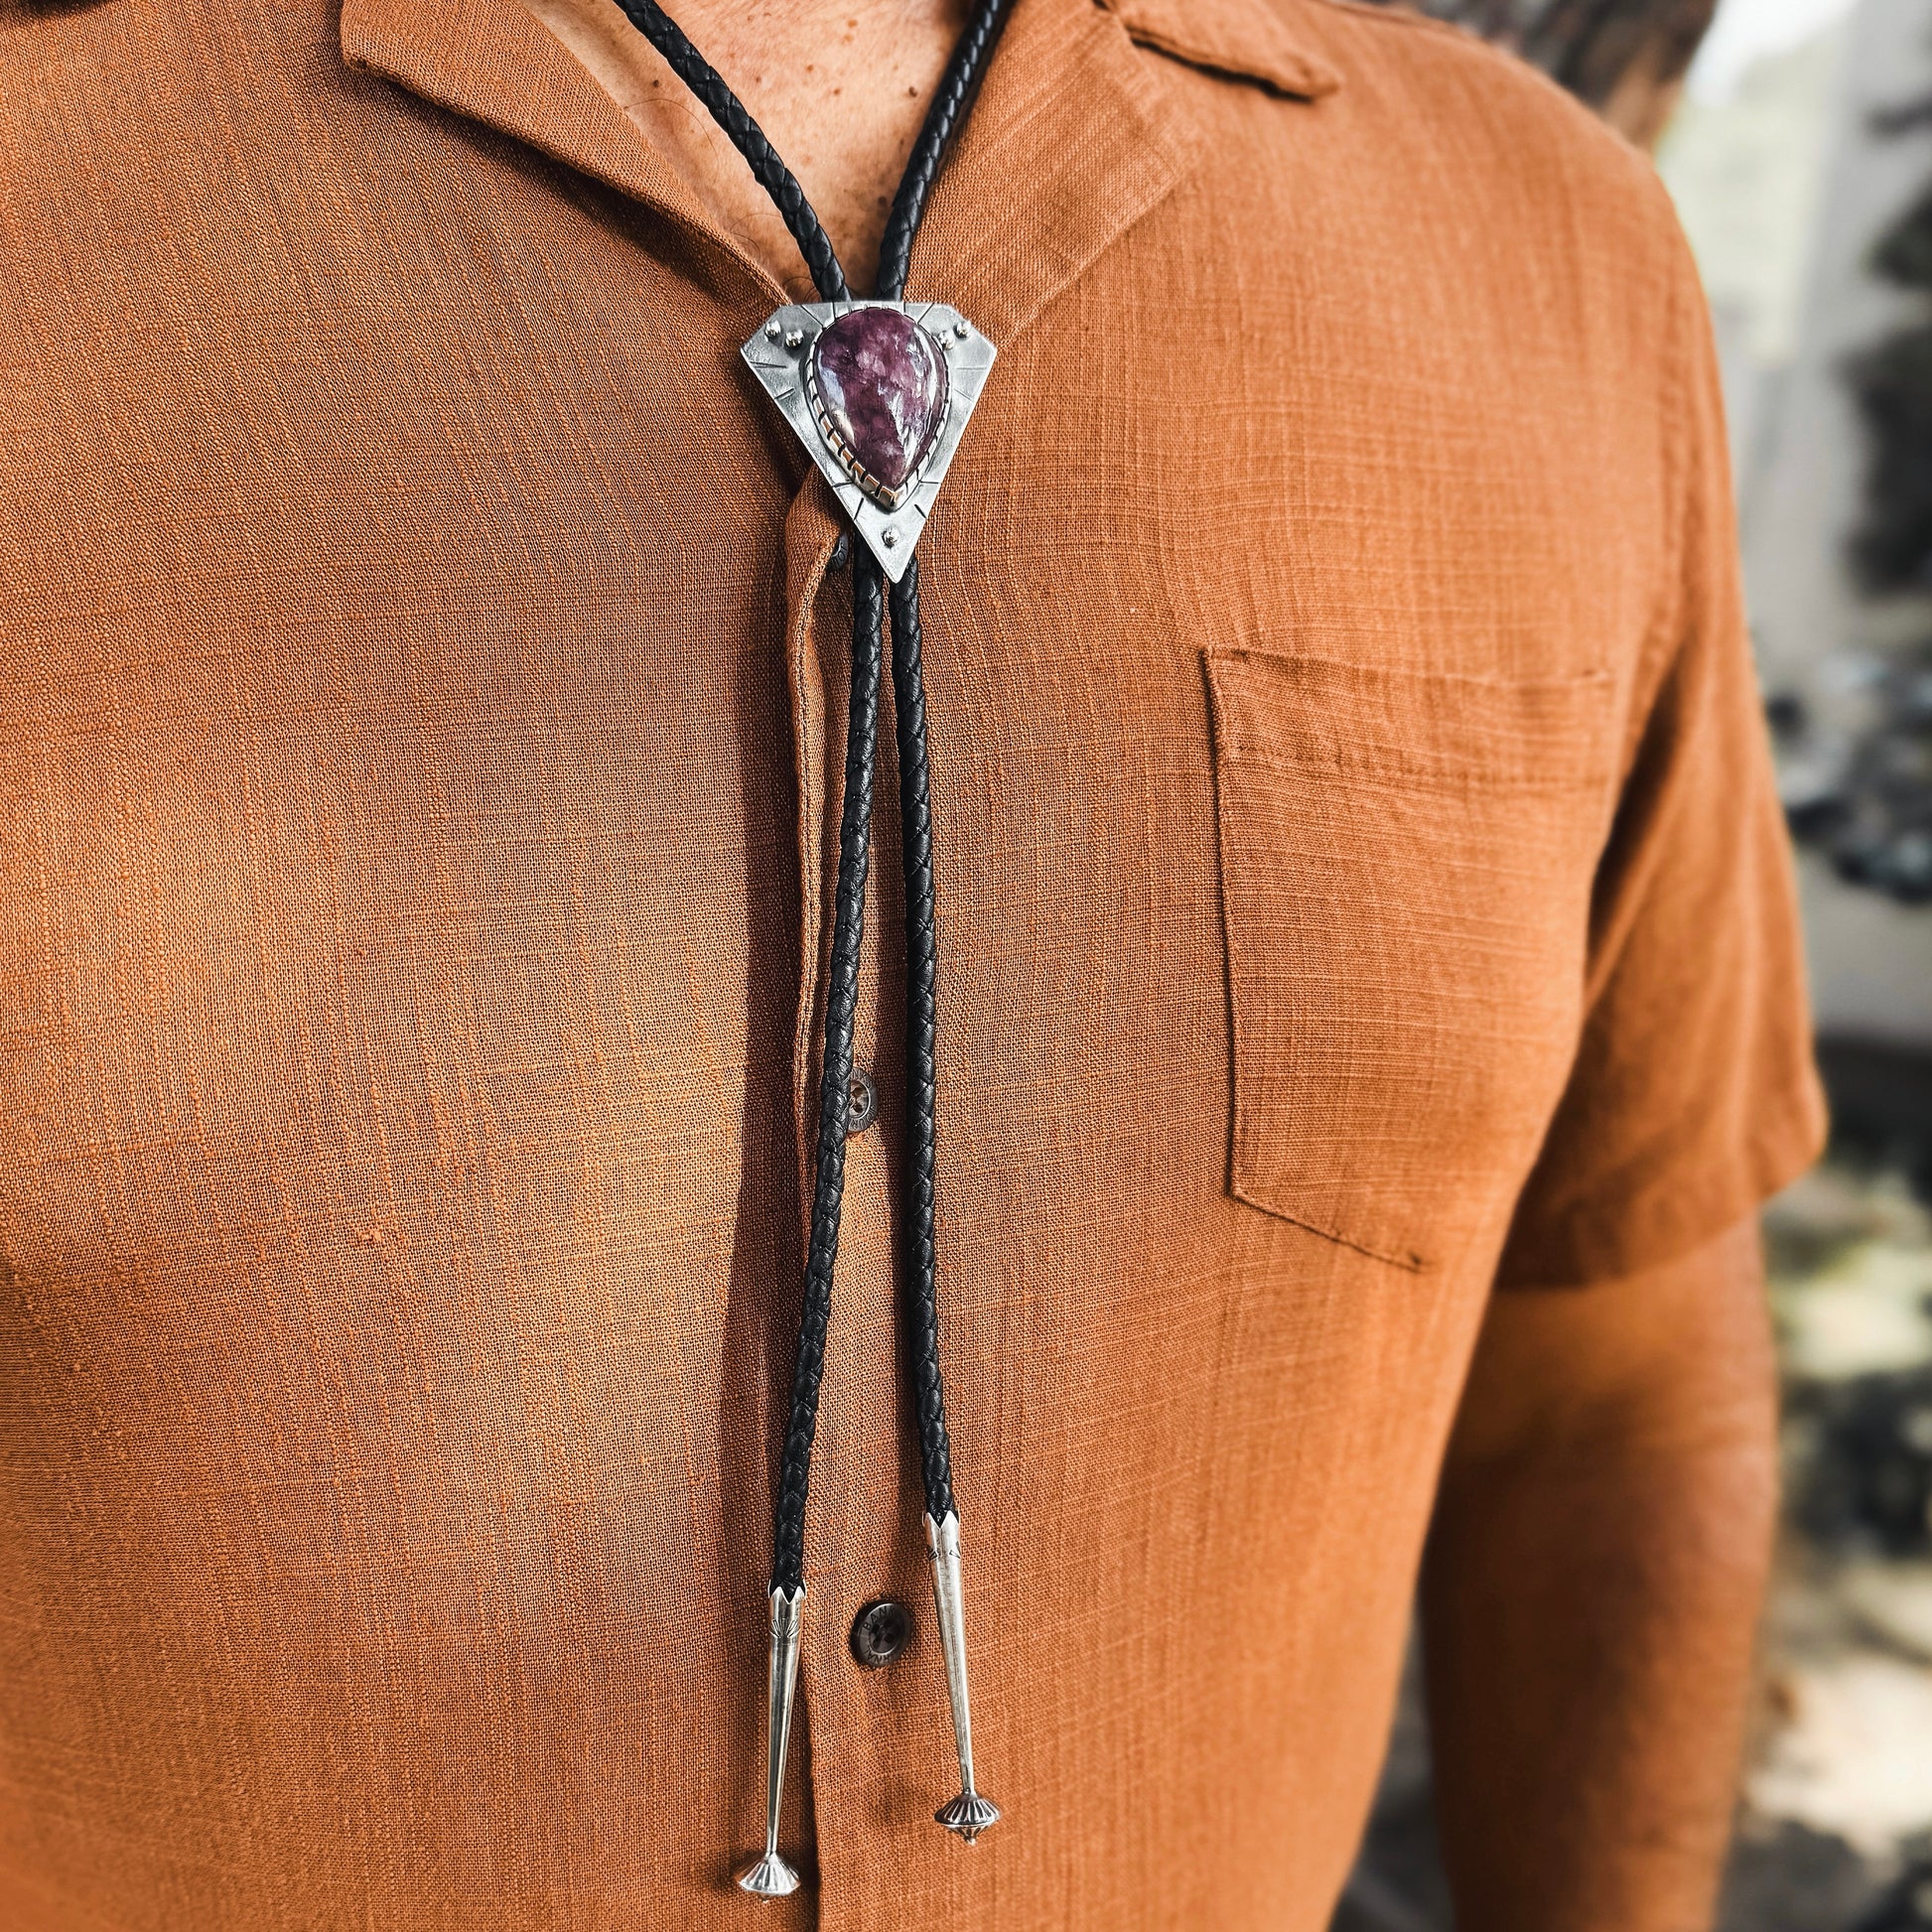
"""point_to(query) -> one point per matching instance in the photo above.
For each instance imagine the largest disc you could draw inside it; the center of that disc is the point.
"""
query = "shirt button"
(861, 1104)
(880, 1631)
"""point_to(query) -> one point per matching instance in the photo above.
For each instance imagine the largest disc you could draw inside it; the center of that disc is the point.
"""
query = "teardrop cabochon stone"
(881, 386)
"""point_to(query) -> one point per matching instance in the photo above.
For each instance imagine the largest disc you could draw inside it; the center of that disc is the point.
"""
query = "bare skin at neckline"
(839, 87)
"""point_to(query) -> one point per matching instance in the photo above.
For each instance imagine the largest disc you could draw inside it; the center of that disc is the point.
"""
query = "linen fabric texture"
(421, 680)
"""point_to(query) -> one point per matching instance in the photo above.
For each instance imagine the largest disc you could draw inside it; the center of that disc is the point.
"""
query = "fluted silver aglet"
(770, 1876)
(969, 1813)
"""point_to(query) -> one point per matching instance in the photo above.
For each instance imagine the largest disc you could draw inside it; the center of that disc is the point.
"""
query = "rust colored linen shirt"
(422, 664)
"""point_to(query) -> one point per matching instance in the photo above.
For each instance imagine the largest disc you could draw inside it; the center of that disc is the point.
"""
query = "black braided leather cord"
(921, 1026)
(835, 1077)
(943, 119)
(747, 138)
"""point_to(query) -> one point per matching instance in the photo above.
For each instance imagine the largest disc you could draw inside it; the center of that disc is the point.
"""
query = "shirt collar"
(1074, 139)
(493, 61)
(1249, 39)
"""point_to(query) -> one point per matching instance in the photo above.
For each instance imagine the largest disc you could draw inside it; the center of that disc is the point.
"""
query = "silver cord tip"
(968, 1815)
(769, 1878)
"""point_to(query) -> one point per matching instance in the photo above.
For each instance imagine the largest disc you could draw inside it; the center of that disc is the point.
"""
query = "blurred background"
(1796, 137)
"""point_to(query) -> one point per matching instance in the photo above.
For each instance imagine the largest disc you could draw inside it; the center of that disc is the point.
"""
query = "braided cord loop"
(747, 138)
(943, 119)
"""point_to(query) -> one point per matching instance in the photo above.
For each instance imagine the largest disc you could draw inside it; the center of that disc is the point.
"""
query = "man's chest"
(421, 698)
(460, 767)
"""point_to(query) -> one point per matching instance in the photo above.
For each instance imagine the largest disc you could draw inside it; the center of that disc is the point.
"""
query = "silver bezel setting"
(881, 493)
(780, 354)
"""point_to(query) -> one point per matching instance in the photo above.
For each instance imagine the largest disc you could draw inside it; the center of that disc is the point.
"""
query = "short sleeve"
(1694, 1093)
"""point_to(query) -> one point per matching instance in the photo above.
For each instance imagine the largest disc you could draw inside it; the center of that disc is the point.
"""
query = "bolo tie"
(878, 392)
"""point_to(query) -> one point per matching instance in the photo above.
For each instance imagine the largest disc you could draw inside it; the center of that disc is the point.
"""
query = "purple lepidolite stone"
(882, 381)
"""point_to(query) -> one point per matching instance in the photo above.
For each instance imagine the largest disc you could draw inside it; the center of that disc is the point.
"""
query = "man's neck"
(839, 88)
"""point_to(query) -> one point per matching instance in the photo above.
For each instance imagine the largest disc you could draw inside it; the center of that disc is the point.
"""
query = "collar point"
(1247, 39)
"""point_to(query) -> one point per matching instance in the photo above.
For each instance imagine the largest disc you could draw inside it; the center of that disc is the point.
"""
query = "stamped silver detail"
(967, 365)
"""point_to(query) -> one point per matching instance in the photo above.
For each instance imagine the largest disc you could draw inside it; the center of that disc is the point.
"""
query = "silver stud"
(772, 332)
(794, 339)
(890, 538)
(960, 330)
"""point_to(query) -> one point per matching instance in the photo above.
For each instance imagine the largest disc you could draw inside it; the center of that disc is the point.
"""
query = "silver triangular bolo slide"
(879, 393)
(969, 1813)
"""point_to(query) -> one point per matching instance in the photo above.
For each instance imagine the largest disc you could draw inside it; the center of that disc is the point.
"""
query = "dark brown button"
(861, 1104)
(880, 1631)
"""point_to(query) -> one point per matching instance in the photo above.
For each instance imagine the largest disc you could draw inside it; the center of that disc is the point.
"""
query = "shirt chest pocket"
(1406, 867)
